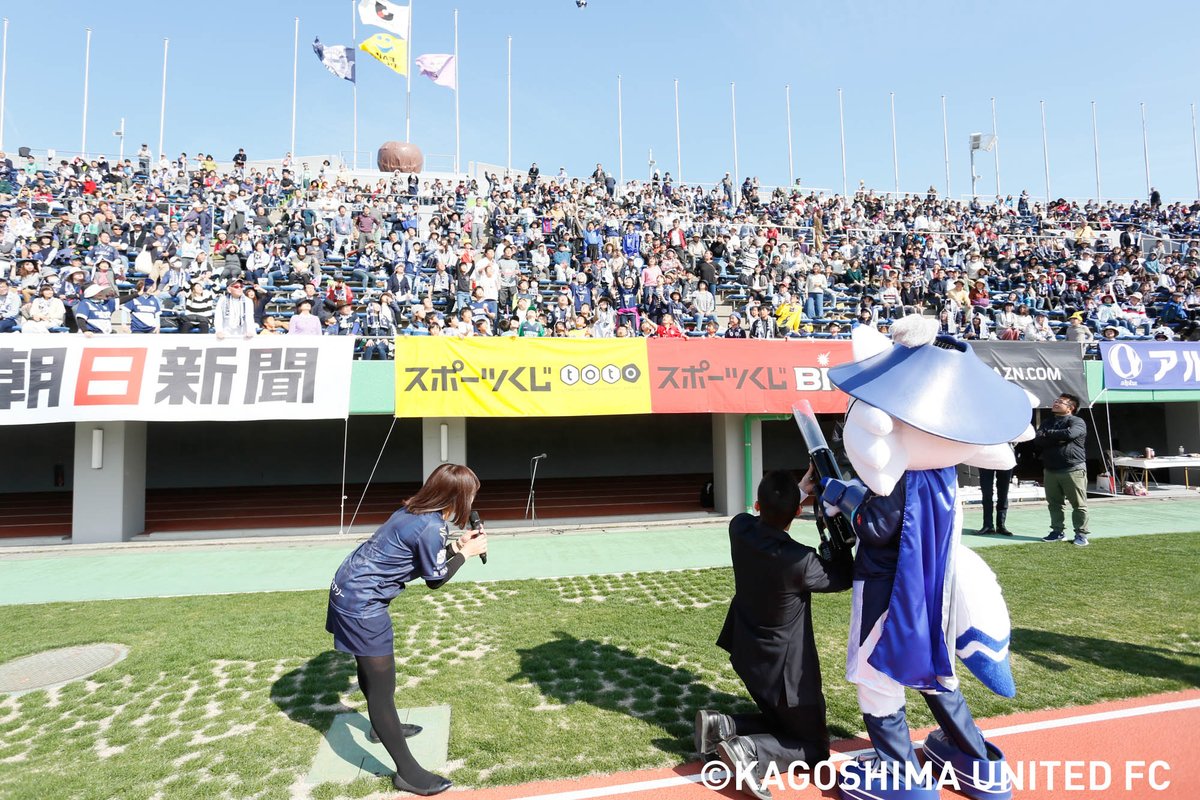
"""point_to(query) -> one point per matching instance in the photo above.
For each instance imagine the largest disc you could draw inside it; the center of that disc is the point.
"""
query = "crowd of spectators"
(184, 245)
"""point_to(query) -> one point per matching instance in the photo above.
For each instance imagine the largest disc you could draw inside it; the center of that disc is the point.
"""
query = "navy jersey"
(405, 548)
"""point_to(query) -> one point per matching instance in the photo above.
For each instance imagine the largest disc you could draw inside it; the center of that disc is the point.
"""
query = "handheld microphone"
(535, 458)
(476, 524)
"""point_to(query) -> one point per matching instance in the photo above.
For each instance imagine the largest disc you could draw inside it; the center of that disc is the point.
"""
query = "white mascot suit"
(922, 404)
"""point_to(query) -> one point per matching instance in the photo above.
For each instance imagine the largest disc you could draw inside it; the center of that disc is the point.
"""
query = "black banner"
(1046, 369)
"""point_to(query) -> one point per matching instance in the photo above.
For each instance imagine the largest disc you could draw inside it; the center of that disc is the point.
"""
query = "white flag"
(442, 68)
(392, 17)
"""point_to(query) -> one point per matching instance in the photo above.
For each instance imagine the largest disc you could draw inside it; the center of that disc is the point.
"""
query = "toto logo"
(1125, 361)
(591, 374)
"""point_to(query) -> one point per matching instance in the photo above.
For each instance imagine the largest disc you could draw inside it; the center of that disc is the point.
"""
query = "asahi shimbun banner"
(514, 377)
(159, 377)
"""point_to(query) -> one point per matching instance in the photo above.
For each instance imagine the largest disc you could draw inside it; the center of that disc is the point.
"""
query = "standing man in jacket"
(768, 633)
(1063, 441)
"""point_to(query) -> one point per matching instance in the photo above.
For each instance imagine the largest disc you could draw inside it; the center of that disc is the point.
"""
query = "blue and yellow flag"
(388, 50)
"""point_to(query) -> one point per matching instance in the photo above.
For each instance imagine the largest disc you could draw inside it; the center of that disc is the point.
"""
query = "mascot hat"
(941, 388)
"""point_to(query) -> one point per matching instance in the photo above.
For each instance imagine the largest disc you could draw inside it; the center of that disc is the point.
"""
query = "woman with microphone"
(411, 545)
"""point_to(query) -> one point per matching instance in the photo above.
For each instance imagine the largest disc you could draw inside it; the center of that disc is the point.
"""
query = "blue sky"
(230, 85)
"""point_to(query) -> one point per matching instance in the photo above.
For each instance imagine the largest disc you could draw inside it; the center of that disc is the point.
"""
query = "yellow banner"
(511, 377)
(388, 50)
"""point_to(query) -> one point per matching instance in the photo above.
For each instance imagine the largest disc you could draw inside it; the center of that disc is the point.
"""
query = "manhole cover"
(56, 667)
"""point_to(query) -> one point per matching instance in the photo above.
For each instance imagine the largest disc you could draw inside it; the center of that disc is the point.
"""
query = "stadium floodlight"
(975, 142)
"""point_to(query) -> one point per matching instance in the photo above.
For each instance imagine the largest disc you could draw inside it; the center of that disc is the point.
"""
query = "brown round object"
(400, 156)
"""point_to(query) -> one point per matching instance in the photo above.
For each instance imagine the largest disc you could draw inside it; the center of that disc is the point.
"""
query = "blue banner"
(1151, 365)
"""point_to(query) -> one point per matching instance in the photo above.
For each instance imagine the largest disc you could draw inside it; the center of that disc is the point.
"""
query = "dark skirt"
(360, 637)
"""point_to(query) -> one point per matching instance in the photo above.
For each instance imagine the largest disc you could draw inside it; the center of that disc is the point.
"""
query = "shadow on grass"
(569, 670)
(1054, 651)
(310, 693)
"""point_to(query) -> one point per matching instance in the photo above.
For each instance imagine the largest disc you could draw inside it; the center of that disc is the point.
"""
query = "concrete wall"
(591, 447)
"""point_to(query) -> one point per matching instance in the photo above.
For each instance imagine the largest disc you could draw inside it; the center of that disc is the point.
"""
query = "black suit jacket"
(768, 630)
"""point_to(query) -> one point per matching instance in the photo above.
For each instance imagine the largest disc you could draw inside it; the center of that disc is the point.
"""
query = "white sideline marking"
(684, 780)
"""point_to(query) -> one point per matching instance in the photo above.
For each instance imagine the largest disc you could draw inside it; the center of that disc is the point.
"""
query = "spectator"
(145, 309)
(303, 321)
(10, 308)
(93, 314)
(43, 314)
(197, 309)
(234, 313)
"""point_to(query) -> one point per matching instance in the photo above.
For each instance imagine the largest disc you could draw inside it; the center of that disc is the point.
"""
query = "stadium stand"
(99, 246)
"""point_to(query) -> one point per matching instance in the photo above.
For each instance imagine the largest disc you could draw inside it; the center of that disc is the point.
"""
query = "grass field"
(228, 696)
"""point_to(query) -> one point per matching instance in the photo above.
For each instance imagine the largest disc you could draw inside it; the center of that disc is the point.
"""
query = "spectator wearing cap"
(303, 321)
(145, 310)
(234, 314)
(734, 329)
(1077, 331)
(93, 314)
(45, 313)
(1173, 312)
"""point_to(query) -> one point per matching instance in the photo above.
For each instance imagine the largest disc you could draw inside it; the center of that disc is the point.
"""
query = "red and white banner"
(185, 378)
(744, 376)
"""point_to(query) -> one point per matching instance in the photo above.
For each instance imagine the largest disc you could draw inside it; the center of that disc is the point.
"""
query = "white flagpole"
(1045, 150)
(87, 61)
(508, 163)
(457, 129)
(1145, 148)
(162, 108)
(620, 136)
(787, 91)
(121, 139)
(408, 90)
(736, 177)
(1195, 152)
(1096, 148)
(3, 80)
(842, 128)
(295, 62)
(895, 152)
(678, 150)
(995, 147)
(354, 86)
(946, 145)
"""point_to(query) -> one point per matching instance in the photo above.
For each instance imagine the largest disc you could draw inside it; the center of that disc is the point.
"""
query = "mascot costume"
(922, 404)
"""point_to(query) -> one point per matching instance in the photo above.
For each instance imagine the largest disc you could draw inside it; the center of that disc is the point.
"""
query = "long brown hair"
(450, 486)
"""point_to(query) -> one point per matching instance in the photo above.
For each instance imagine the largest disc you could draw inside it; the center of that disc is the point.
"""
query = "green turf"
(227, 696)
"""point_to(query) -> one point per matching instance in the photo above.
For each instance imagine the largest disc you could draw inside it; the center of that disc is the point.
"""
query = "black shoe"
(986, 530)
(712, 728)
(409, 731)
(1003, 531)
(1055, 536)
(439, 786)
(740, 751)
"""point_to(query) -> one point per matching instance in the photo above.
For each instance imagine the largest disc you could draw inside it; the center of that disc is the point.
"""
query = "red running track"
(1127, 736)
(263, 507)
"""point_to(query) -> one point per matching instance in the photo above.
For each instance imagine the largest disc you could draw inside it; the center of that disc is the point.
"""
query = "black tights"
(377, 679)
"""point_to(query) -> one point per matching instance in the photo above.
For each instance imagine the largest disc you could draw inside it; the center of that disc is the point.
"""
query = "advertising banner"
(511, 377)
(186, 378)
(571, 377)
(1045, 369)
(1151, 365)
(743, 376)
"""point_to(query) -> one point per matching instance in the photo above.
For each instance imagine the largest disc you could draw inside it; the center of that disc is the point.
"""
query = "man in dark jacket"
(1063, 441)
(768, 633)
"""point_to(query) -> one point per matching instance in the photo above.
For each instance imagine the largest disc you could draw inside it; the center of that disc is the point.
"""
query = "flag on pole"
(392, 17)
(338, 59)
(440, 67)
(388, 50)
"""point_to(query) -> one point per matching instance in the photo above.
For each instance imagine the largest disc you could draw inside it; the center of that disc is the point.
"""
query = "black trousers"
(785, 733)
(1000, 479)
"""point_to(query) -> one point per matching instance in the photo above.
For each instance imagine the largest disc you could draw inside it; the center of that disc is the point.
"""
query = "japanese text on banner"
(520, 378)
